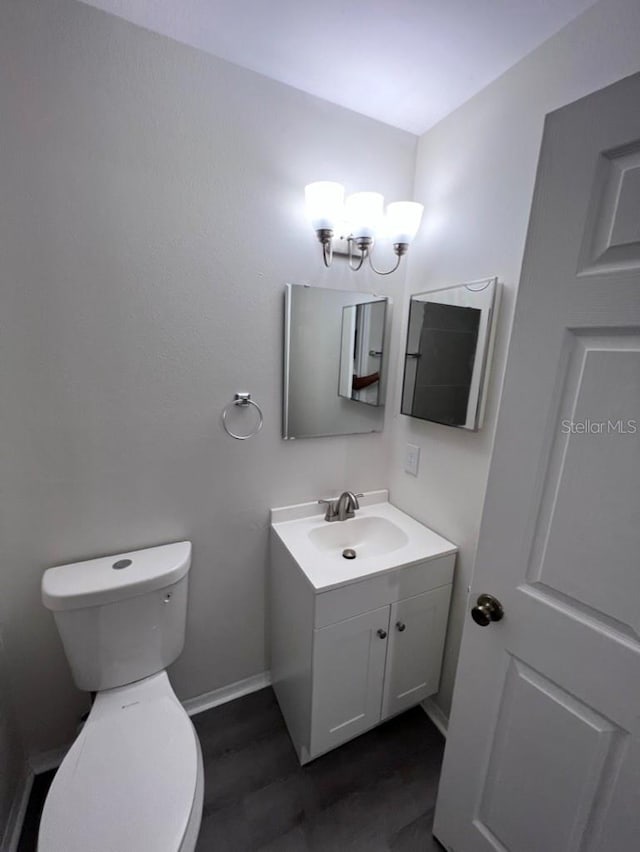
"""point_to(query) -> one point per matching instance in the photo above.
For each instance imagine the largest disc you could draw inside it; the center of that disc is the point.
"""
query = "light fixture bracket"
(324, 235)
(363, 244)
(326, 210)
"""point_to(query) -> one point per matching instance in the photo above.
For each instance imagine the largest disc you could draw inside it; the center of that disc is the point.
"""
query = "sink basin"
(383, 537)
(368, 536)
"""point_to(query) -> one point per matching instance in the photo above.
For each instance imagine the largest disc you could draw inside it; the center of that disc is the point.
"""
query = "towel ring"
(242, 399)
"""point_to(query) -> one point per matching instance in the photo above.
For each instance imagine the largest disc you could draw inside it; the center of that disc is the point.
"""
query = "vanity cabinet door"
(348, 674)
(414, 657)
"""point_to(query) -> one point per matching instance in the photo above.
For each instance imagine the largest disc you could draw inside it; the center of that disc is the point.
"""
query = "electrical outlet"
(412, 459)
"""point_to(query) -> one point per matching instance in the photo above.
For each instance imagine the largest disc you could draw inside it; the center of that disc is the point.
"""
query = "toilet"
(133, 780)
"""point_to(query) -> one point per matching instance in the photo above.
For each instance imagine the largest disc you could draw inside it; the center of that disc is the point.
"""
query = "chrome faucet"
(343, 508)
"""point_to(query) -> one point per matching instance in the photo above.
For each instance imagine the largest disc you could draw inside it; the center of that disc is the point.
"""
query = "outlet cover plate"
(412, 459)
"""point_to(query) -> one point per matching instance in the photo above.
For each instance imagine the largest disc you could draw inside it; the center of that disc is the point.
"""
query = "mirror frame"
(375, 410)
(486, 355)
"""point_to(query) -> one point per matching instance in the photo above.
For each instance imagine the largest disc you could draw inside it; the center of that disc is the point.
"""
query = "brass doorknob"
(486, 610)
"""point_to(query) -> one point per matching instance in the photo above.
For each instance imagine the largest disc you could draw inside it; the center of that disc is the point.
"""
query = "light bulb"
(403, 221)
(363, 211)
(324, 204)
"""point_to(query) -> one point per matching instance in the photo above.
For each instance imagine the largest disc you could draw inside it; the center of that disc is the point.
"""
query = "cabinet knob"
(382, 633)
(401, 627)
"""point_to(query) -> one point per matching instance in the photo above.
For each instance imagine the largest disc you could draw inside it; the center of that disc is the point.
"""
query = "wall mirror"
(449, 342)
(333, 362)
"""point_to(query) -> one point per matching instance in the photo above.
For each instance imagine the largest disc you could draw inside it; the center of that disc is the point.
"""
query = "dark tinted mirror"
(448, 347)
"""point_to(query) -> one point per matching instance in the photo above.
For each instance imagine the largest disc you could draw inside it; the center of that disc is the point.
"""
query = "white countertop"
(328, 569)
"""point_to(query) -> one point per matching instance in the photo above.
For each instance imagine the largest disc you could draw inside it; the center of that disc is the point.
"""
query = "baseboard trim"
(436, 715)
(227, 693)
(17, 814)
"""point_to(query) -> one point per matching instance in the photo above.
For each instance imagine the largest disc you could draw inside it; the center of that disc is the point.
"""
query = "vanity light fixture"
(360, 219)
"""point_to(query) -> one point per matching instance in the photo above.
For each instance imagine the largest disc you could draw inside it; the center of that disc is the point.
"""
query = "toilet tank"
(121, 618)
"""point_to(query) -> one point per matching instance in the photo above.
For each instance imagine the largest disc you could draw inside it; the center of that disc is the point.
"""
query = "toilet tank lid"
(108, 579)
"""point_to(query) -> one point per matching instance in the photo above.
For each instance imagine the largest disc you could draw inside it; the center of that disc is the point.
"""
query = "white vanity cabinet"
(348, 657)
(372, 666)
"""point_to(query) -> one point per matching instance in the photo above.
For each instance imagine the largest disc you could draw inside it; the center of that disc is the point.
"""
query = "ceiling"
(405, 62)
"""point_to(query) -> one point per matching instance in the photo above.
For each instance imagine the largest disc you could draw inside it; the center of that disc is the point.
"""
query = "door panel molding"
(530, 759)
(612, 235)
(585, 505)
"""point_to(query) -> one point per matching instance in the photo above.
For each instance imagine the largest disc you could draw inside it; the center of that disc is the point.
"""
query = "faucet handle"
(332, 508)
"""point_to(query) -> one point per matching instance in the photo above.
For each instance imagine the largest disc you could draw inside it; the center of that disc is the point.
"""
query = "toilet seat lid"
(128, 782)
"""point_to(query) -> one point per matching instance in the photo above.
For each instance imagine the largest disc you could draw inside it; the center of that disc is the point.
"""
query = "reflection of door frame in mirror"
(302, 415)
(345, 373)
(481, 369)
(356, 351)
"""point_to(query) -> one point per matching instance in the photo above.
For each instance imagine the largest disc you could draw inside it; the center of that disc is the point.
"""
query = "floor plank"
(374, 794)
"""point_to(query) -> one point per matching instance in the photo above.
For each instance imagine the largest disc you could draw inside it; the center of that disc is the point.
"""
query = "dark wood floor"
(374, 794)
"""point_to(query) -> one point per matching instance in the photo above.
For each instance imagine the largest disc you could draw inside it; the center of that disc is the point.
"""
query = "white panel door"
(414, 657)
(348, 673)
(543, 753)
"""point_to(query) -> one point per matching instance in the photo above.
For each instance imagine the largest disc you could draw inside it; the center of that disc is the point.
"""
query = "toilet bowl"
(133, 779)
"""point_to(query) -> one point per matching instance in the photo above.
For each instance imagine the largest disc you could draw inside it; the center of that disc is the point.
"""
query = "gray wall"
(475, 174)
(151, 212)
